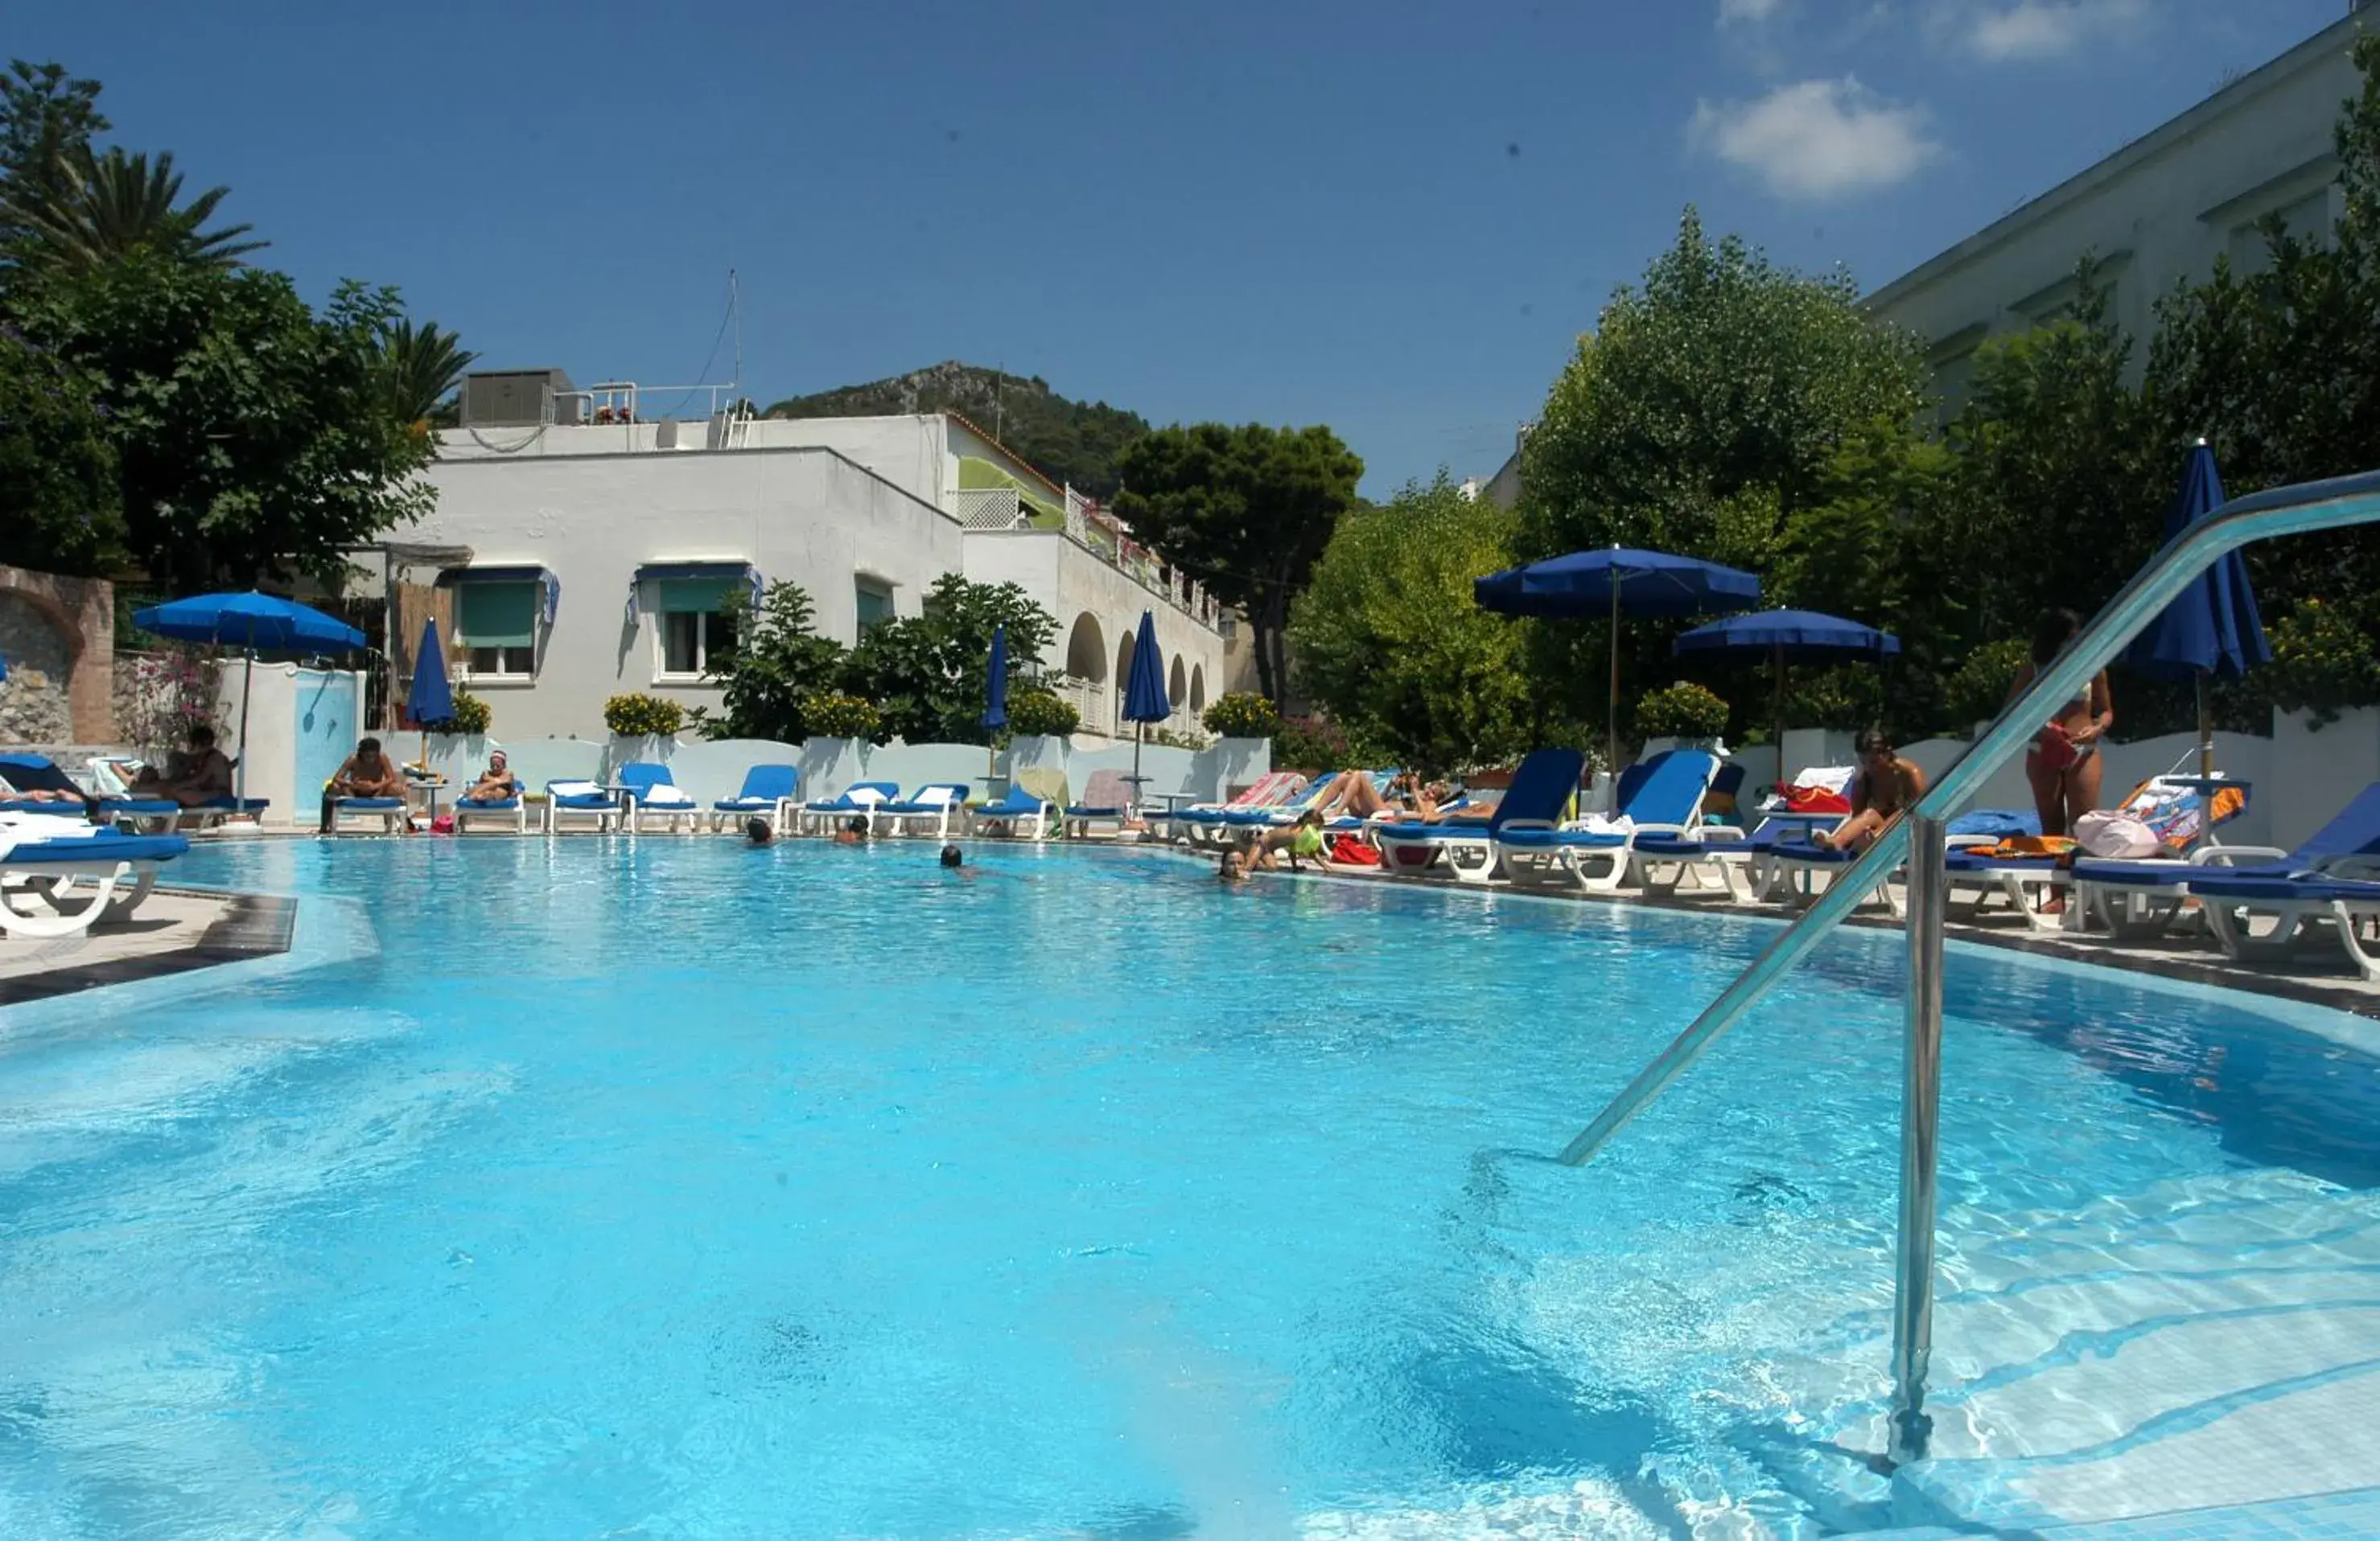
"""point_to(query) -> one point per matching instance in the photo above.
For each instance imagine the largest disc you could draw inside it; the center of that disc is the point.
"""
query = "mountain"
(1069, 442)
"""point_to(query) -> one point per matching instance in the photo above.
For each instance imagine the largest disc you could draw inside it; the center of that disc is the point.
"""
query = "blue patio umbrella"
(1618, 581)
(1144, 695)
(2213, 628)
(429, 699)
(1788, 636)
(247, 622)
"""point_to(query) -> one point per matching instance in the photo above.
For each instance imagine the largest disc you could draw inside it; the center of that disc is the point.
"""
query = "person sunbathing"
(201, 774)
(368, 773)
(1886, 787)
(496, 783)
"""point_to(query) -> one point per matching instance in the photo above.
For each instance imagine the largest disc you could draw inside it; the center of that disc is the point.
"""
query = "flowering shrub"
(472, 717)
(842, 717)
(169, 694)
(1683, 710)
(1309, 744)
(1242, 714)
(636, 715)
(1042, 714)
(2323, 661)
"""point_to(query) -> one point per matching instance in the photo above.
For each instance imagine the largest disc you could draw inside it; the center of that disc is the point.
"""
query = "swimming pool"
(670, 1188)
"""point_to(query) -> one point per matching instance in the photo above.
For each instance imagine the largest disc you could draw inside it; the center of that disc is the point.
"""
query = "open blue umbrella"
(1144, 695)
(430, 700)
(2213, 627)
(1788, 636)
(1618, 581)
(247, 622)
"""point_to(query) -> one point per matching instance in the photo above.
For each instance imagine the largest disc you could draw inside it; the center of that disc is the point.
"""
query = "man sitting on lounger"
(367, 773)
(496, 783)
(1886, 787)
(201, 774)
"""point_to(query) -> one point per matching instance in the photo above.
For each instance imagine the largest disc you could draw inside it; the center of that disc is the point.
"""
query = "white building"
(584, 553)
(2157, 211)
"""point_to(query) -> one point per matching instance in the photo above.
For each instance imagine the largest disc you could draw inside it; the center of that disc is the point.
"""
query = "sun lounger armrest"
(2232, 855)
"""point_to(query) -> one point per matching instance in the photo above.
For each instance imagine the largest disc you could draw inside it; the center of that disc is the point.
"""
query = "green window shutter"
(701, 595)
(497, 615)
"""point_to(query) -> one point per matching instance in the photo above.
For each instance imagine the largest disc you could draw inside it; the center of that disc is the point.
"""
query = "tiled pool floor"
(2329, 1516)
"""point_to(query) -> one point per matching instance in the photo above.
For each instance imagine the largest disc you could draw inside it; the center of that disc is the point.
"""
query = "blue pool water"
(677, 1189)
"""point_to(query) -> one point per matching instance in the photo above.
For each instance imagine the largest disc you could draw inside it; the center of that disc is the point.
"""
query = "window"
(693, 631)
(495, 626)
(875, 600)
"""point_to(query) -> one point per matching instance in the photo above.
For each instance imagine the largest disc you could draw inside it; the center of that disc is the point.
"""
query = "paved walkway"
(176, 930)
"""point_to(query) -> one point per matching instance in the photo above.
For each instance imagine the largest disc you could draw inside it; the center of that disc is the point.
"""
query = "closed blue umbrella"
(995, 697)
(4, 669)
(1787, 635)
(1618, 581)
(1144, 695)
(248, 621)
(430, 698)
(2213, 627)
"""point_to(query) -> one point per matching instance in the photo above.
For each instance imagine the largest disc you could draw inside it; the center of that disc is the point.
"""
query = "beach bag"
(443, 824)
(2118, 836)
(1347, 851)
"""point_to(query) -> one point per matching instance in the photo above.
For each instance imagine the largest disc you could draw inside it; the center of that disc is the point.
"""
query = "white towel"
(665, 796)
(572, 789)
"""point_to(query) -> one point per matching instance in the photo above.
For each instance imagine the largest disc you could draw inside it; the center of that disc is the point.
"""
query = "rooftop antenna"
(998, 396)
(735, 312)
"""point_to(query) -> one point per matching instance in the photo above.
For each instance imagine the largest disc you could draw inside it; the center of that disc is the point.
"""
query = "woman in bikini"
(2062, 762)
(1886, 787)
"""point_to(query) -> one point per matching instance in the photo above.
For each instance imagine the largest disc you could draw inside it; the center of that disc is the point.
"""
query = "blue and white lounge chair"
(513, 810)
(1207, 824)
(59, 876)
(649, 793)
(2140, 897)
(2232, 900)
(1542, 788)
(23, 774)
(769, 792)
(1666, 799)
(938, 804)
(581, 800)
(863, 801)
(1722, 859)
(1023, 812)
(217, 812)
(389, 812)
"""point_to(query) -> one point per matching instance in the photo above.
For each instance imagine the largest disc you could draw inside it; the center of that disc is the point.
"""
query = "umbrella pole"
(2206, 727)
(1780, 711)
(1611, 702)
(247, 689)
(1139, 736)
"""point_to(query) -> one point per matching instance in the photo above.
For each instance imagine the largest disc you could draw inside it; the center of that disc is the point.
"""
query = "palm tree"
(115, 203)
(424, 367)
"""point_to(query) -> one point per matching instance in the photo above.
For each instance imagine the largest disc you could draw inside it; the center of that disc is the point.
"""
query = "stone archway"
(1197, 688)
(1177, 688)
(1087, 650)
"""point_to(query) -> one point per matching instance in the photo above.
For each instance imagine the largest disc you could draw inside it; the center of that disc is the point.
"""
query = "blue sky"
(1393, 217)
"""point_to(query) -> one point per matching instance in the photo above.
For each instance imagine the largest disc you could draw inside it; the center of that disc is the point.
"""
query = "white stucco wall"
(808, 516)
(1071, 583)
(2160, 209)
(910, 452)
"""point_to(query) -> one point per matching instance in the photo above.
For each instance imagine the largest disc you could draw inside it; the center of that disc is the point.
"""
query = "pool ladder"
(1918, 840)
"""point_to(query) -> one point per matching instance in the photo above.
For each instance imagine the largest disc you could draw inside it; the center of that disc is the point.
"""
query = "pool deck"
(176, 930)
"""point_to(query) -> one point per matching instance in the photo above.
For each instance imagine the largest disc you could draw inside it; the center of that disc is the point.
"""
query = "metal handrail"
(2283, 511)
(2334, 504)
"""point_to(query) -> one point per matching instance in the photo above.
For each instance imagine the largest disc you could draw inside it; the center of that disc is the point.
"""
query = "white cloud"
(1742, 13)
(1817, 139)
(2043, 28)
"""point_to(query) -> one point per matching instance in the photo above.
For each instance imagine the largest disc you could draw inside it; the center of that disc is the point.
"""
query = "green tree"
(1388, 640)
(926, 672)
(1248, 510)
(425, 366)
(1703, 413)
(58, 504)
(1721, 376)
(47, 118)
(779, 661)
(253, 438)
(114, 203)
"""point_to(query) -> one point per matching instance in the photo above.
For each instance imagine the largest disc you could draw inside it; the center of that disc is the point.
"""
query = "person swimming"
(953, 856)
(759, 831)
